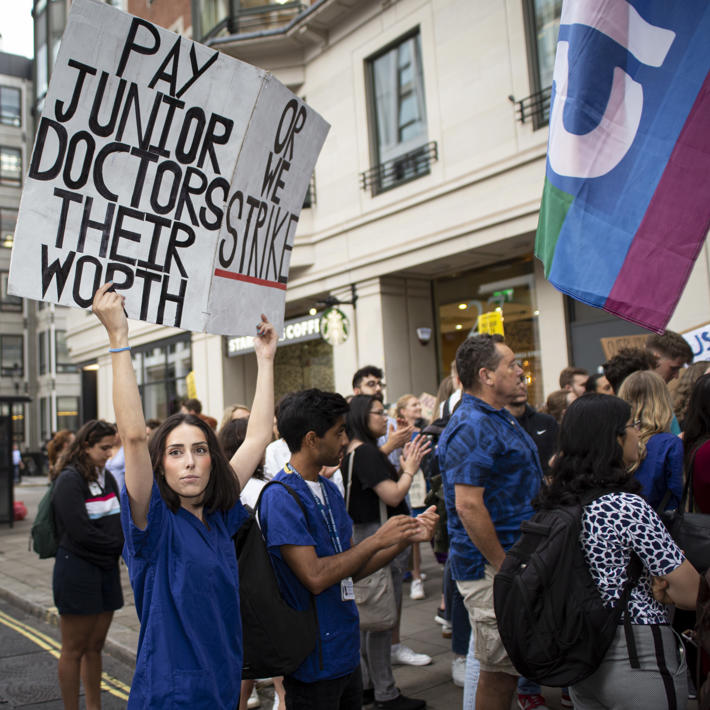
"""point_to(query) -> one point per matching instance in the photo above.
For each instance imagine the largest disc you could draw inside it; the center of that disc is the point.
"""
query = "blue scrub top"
(186, 586)
(282, 523)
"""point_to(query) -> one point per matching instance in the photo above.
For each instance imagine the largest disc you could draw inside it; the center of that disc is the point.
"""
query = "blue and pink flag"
(626, 203)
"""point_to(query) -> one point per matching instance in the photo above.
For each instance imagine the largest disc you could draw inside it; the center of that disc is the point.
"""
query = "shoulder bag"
(690, 530)
(374, 594)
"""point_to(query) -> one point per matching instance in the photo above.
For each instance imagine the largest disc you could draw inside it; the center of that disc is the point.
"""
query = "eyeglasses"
(635, 424)
(378, 412)
(374, 383)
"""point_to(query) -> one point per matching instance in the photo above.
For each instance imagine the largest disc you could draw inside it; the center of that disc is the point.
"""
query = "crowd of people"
(374, 484)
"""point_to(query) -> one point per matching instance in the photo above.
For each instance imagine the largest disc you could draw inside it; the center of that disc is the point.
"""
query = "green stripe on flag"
(553, 210)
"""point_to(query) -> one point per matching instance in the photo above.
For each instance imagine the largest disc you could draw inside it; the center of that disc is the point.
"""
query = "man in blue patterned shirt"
(491, 473)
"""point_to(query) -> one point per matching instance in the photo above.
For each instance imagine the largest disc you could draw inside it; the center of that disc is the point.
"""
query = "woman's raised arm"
(108, 307)
(261, 420)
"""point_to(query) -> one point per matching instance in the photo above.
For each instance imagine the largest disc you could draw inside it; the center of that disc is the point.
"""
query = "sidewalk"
(26, 581)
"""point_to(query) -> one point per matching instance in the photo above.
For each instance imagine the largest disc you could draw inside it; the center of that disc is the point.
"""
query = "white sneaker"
(417, 590)
(253, 701)
(404, 656)
(458, 671)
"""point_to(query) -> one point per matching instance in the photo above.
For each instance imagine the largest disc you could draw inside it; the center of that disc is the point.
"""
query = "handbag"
(689, 530)
(374, 594)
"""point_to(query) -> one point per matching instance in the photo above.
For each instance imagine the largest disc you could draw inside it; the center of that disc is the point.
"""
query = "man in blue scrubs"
(313, 555)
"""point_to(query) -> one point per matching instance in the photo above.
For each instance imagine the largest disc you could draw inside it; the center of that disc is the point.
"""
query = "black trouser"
(337, 694)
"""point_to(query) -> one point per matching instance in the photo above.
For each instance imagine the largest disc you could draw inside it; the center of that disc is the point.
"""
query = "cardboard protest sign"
(169, 168)
(699, 340)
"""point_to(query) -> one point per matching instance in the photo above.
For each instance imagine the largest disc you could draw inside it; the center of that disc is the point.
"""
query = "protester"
(180, 510)
(151, 426)
(541, 427)
(671, 351)
(626, 361)
(375, 481)
(491, 473)
(17, 464)
(696, 442)
(446, 389)
(314, 554)
(117, 463)
(598, 383)
(556, 404)
(409, 409)
(57, 446)
(573, 380)
(598, 442)
(194, 406)
(681, 394)
(659, 468)
(86, 579)
(234, 411)
(368, 380)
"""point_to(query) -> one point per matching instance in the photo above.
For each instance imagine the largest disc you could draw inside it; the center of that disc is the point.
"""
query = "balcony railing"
(255, 19)
(535, 108)
(403, 168)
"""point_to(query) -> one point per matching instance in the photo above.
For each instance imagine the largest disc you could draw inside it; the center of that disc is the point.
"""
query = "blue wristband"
(119, 350)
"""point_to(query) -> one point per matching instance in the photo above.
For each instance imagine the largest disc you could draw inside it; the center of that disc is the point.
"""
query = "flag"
(626, 203)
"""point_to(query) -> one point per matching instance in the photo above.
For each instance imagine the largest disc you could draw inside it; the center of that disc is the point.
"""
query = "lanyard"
(325, 509)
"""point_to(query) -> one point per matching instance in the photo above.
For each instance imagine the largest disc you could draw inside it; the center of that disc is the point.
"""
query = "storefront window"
(303, 365)
(67, 413)
(507, 288)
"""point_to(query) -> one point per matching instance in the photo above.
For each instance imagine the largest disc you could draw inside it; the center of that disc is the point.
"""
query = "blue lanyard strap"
(324, 508)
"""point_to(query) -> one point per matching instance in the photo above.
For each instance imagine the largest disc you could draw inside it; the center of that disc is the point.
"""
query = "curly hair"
(590, 456)
(626, 361)
(54, 449)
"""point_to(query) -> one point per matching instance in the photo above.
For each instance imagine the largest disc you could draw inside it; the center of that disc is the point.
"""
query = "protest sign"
(169, 168)
(699, 340)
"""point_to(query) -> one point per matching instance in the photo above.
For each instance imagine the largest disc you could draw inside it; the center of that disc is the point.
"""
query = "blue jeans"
(473, 671)
(456, 613)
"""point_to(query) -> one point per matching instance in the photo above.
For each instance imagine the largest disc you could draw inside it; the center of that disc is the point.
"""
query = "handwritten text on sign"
(168, 168)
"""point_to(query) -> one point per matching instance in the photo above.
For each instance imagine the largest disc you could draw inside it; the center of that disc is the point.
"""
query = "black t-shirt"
(370, 467)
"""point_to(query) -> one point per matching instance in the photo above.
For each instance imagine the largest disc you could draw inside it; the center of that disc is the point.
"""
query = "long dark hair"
(88, 435)
(697, 419)
(590, 455)
(358, 418)
(222, 491)
(231, 436)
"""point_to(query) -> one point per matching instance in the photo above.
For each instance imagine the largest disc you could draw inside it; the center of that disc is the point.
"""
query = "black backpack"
(276, 637)
(43, 535)
(549, 611)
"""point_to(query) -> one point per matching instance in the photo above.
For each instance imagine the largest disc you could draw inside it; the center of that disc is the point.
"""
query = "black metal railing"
(253, 19)
(535, 108)
(399, 170)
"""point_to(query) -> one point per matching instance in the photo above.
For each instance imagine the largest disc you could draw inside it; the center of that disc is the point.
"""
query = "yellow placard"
(190, 382)
(491, 322)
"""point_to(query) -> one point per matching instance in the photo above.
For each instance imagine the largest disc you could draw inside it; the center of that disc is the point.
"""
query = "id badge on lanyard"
(347, 590)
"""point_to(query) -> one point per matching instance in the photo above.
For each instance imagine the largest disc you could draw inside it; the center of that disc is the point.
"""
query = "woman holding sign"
(180, 509)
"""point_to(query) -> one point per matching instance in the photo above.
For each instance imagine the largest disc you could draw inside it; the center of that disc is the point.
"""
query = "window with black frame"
(64, 361)
(10, 166)
(8, 223)
(398, 115)
(67, 413)
(12, 356)
(8, 302)
(10, 106)
(542, 22)
(161, 371)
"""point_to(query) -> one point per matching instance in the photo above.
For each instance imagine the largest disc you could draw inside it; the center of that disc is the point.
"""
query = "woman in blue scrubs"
(180, 508)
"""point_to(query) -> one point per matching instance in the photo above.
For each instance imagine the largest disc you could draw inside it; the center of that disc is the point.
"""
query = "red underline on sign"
(249, 279)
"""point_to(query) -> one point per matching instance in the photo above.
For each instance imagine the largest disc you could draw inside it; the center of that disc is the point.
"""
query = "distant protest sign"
(169, 168)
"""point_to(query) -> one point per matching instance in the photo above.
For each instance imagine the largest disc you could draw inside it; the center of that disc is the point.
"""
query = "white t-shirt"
(250, 492)
(277, 454)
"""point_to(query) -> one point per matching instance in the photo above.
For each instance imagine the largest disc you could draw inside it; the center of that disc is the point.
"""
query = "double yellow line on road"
(47, 643)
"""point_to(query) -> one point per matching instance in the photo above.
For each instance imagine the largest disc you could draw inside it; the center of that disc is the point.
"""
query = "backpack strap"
(297, 498)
